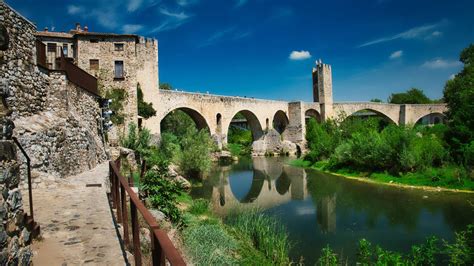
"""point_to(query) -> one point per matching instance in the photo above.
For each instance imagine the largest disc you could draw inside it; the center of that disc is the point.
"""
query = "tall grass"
(210, 244)
(267, 234)
(199, 206)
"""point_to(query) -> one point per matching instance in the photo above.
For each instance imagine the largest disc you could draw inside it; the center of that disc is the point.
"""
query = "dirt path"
(76, 223)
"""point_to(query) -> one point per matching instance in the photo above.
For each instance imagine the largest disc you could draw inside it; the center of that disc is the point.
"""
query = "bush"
(328, 257)
(195, 159)
(322, 139)
(170, 147)
(140, 142)
(118, 96)
(163, 194)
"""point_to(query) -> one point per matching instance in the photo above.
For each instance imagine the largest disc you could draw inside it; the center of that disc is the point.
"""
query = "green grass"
(267, 234)
(199, 206)
(208, 241)
(210, 244)
(452, 177)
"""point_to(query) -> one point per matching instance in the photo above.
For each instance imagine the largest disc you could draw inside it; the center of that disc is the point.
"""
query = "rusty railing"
(41, 54)
(162, 249)
(78, 76)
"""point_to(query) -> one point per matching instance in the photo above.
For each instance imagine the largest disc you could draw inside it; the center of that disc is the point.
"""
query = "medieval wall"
(15, 238)
(56, 121)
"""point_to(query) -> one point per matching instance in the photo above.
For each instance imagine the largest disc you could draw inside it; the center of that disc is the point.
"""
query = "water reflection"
(320, 209)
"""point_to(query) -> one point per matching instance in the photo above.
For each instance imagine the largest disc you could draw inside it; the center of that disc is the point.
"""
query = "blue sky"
(267, 48)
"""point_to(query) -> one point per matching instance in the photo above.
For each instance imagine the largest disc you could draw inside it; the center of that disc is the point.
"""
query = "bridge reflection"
(260, 182)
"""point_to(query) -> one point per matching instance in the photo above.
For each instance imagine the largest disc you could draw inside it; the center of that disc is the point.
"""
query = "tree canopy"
(145, 109)
(412, 96)
(459, 96)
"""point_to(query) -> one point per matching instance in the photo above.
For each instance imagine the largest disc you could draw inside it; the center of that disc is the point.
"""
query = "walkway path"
(76, 222)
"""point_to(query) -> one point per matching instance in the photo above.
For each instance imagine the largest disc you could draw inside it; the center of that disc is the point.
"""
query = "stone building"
(56, 112)
(123, 61)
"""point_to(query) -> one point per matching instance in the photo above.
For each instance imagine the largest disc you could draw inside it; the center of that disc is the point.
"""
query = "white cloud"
(178, 16)
(452, 76)
(396, 54)
(186, 2)
(131, 28)
(217, 36)
(74, 10)
(133, 5)
(436, 33)
(413, 33)
(299, 55)
(441, 63)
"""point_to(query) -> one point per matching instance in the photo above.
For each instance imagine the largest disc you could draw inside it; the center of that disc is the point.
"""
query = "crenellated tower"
(322, 88)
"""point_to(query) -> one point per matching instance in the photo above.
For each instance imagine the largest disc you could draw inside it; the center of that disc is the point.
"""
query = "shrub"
(170, 147)
(195, 159)
(163, 194)
(328, 257)
(461, 252)
(140, 142)
(364, 253)
(424, 254)
(118, 96)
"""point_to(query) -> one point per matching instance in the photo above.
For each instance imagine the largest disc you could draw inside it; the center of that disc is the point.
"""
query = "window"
(94, 41)
(65, 48)
(52, 47)
(118, 46)
(94, 64)
(119, 69)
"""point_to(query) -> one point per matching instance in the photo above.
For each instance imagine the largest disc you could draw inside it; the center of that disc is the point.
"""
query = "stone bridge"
(285, 120)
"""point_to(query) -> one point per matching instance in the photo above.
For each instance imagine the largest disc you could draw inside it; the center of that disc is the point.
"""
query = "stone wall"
(56, 121)
(15, 237)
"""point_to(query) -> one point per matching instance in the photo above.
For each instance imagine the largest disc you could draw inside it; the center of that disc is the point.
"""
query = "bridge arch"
(253, 123)
(431, 118)
(312, 113)
(280, 121)
(198, 118)
(367, 112)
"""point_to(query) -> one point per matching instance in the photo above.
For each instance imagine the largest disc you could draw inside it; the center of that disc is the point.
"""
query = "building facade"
(119, 61)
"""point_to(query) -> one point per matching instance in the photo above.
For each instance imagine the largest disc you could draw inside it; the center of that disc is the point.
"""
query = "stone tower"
(322, 88)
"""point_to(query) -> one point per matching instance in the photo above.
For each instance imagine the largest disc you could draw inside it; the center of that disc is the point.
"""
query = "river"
(320, 209)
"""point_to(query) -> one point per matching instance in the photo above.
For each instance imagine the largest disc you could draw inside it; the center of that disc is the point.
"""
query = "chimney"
(86, 29)
(46, 29)
(78, 26)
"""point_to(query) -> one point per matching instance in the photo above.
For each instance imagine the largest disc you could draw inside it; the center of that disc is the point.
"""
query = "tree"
(145, 109)
(459, 96)
(166, 86)
(376, 100)
(412, 96)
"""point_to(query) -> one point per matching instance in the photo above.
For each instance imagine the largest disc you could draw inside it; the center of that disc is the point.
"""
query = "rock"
(159, 216)
(172, 170)
(24, 256)
(184, 182)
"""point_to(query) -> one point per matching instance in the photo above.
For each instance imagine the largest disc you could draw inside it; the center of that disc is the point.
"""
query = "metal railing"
(34, 227)
(162, 249)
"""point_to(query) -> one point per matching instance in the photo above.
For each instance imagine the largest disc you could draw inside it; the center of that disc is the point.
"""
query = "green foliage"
(376, 100)
(140, 142)
(196, 147)
(424, 254)
(364, 253)
(266, 233)
(145, 109)
(210, 244)
(165, 86)
(170, 147)
(461, 252)
(459, 96)
(177, 122)
(239, 141)
(199, 206)
(323, 138)
(118, 96)
(163, 194)
(412, 96)
(328, 257)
